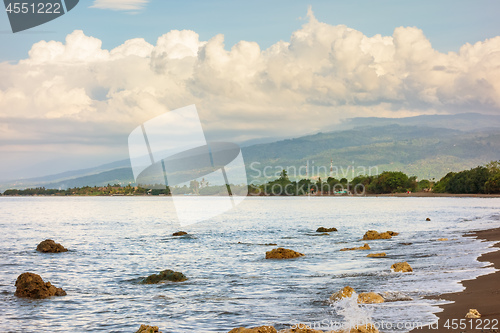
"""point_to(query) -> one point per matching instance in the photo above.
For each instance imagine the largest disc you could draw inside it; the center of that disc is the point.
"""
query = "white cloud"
(322, 74)
(128, 5)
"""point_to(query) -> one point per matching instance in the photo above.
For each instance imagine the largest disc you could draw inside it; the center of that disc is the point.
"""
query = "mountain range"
(425, 146)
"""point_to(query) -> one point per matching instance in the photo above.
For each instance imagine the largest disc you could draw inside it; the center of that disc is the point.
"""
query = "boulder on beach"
(49, 246)
(376, 255)
(402, 267)
(323, 229)
(364, 247)
(260, 329)
(473, 313)
(148, 329)
(370, 298)
(166, 275)
(282, 253)
(31, 285)
(373, 234)
(343, 293)
(179, 233)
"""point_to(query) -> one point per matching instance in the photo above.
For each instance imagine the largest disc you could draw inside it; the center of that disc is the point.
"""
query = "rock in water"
(473, 313)
(282, 253)
(395, 296)
(402, 267)
(179, 233)
(427, 219)
(31, 285)
(369, 328)
(49, 246)
(166, 275)
(299, 329)
(148, 329)
(376, 255)
(442, 239)
(370, 298)
(364, 247)
(346, 292)
(373, 234)
(260, 329)
(323, 229)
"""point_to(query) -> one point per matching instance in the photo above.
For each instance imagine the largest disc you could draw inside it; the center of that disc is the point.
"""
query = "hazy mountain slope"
(424, 151)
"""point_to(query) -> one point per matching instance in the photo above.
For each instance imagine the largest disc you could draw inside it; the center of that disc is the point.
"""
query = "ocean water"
(116, 241)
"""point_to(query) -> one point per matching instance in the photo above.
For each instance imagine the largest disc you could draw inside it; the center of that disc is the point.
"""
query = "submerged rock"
(166, 275)
(364, 247)
(376, 255)
(395, 296)
(373, 234)
(402, 267)
(31, 285)
(442, 239)
(282, 253)
(344, 293)
(323, 229)
(49, 246)
(370, 298)
(473, 313)
(260, 329)
(148, 329)
(179, 233)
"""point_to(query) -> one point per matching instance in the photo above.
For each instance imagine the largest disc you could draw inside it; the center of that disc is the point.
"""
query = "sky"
(73, 89)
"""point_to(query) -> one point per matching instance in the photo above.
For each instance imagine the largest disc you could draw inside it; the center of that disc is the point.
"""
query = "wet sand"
(482, 293)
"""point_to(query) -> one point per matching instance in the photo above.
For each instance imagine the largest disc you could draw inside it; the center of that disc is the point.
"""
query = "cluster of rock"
(364, 247)
(166, 275)
(323, 229)
(363, 298)
(148, 329)
(373, 234)
(49, 246)
(32, 285)
(282, 253)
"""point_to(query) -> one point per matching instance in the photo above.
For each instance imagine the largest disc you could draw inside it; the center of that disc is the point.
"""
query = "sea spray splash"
(354, 314)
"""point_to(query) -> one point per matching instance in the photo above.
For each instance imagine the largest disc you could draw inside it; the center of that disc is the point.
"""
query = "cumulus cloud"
(128, 5)
(322, 74)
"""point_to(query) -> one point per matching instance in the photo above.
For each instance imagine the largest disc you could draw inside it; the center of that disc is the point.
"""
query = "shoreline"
(481, 293)
(385, 195)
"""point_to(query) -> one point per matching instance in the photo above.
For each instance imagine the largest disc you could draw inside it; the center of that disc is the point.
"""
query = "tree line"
(480, 180)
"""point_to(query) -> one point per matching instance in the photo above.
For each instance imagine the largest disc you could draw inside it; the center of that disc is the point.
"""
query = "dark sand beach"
(482, 293)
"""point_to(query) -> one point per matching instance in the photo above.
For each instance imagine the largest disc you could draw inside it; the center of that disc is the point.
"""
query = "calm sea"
(116, 241)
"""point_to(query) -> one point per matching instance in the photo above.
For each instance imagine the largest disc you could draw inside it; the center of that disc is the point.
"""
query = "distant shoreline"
(396, 195)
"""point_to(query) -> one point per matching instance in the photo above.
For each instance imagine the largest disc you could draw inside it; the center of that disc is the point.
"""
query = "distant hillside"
(416, 149)
(421, 151)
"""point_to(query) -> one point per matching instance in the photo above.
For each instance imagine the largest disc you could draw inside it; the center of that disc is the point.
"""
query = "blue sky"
(253, 69)
(447, 24)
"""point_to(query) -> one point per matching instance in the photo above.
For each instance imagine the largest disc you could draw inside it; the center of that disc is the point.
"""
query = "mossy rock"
(166, 275)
